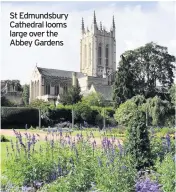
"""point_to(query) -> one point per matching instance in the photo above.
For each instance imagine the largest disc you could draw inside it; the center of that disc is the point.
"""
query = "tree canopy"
(94, 99)
(148, 70)
(25, 94)
(71, 97)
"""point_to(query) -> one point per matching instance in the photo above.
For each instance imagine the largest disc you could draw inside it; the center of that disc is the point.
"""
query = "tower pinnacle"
(94, 19)
(82, 25)
(100, 25)
(113, 22)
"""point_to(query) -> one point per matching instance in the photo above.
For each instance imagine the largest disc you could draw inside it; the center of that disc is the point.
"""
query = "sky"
(137, 23)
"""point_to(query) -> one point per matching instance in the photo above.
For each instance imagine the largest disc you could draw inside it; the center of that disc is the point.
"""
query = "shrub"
(4, 139)
(125, 111)
(161, 146)
(82, 112)
(60, 114)
(166, 170)
(19, 116)
(138, 143)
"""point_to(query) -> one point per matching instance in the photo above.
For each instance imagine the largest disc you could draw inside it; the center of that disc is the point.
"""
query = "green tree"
(125, 111)
(172, 92)
(138, 143)
(157, 110)
(25, 94)
(83, 112)
(140, 71)
(94, 99)
(39, 103)
(72, 96)
(123, 85)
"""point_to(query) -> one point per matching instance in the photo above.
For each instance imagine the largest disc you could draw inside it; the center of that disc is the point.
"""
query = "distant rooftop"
(58, 73)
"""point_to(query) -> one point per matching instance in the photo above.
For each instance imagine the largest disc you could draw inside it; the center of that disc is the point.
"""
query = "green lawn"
(8, 144)
(3, 151)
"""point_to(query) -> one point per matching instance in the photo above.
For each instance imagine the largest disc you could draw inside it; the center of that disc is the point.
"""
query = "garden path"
(9, 132)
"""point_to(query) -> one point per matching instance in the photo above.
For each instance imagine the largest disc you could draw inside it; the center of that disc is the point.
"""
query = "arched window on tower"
(89, 53)
(107, 55)
(99, 54)
(85, 58)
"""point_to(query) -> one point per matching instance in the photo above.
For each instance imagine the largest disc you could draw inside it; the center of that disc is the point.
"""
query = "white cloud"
(134, 27)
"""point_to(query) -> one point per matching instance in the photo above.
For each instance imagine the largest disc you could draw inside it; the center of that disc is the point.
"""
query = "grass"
(8, 144)
(3, 151)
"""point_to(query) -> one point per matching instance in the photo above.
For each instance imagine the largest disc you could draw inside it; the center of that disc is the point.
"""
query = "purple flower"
(52, 143)
(7, 150)
(33, 139)
(100, 162)
(168, 141)
(12, 145)
(28, 146)
(26, 135)
(17, 146)
(61, 133)
(147, 185)
(120, 147)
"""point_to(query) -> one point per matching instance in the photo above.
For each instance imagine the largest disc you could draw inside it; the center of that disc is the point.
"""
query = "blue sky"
(84, 5)
(137, 23)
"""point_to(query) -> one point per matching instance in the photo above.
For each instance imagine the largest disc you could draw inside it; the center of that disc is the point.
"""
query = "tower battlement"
(97, 49)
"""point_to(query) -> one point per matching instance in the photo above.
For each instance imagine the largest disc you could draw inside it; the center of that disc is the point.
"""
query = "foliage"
(138, 143)
(66, 164)
(125, 111)
(166, 170)
(141, 69)
(138, 100)
(123, 85)
(5, 102)
(19, 116)
(172, 92)
(25, 94)
(59, 114)
(161, 146)
(82, 112)
(4, 139)
(157, 109)
(72, 96)
(162, 132)
(40, 104)
(94, 99)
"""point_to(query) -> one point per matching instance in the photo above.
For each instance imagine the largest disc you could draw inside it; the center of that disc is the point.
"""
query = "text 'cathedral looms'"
(97, 67)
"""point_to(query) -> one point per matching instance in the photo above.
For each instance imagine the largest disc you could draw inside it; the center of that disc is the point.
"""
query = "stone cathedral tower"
(98, 50)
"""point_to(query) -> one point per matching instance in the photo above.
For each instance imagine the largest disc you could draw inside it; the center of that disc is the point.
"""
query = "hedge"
(19, 116)
(51, 116)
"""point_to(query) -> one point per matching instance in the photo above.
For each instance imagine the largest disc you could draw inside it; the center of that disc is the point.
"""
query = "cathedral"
(97, 67)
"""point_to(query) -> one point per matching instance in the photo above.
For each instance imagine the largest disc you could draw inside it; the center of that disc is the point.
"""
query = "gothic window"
(99, 54)
(43, 81)
(107, 55)
(47, 89)
(56, 90)
(85, 52)
(89, 53)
